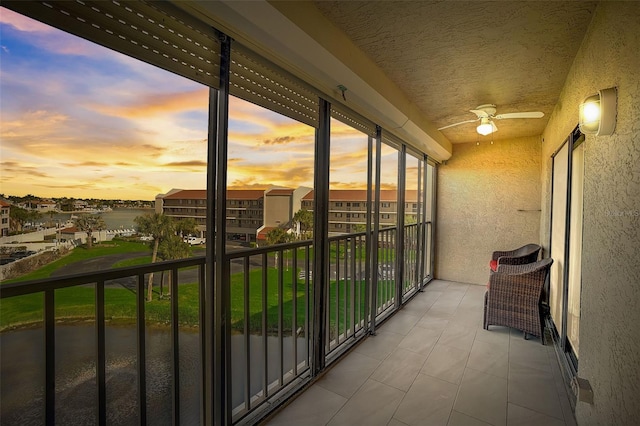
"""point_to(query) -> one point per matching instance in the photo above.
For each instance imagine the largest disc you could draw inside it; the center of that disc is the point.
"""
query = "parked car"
(194, 240)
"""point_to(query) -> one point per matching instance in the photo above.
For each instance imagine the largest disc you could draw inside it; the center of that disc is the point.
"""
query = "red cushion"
(493, 265)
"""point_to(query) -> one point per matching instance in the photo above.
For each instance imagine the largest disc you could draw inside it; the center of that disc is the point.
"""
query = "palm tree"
(303, 218)
(171, 248)
(277, 236)
(159, 227)
(90, 223)
(186, 227)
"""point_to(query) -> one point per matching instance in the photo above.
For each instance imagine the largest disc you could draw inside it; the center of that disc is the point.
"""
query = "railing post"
(50, 357)
(402, 163)
(376, 228)
(320, 236)
(100, 354)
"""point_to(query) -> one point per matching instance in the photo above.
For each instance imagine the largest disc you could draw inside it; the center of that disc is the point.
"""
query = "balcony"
(429, 359)
(433, 363)
(126, 360)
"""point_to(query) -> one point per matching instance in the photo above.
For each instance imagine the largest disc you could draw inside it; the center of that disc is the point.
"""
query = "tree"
(19, 216)
(186, 226)
(303, 219)
(90, 223)
(277, 236)
(171, 248)
(159, 227)
(410, 219)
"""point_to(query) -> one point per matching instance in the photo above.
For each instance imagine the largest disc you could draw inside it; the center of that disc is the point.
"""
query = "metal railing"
(135, 279)
(270, 323)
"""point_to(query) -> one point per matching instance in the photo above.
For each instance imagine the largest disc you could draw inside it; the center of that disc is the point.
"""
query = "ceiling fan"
(486, 114)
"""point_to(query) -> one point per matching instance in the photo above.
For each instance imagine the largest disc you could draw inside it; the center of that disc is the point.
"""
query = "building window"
(386, 204)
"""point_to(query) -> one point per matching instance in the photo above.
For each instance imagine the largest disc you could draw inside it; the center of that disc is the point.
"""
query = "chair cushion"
(493, 265)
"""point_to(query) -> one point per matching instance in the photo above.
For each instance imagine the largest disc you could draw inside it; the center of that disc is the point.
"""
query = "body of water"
(115, 219)
(22, 362)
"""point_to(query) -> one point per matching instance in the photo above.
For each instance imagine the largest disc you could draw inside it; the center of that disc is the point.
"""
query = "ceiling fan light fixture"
(486, 127)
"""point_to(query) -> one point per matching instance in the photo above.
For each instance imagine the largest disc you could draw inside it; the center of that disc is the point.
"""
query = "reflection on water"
(22, 374)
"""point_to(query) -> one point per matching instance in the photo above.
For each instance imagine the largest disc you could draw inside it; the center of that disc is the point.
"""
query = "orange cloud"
(160, 104)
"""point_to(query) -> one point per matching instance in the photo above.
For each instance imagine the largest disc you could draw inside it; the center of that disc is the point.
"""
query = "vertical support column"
(376, 227)
(221, 322)
(321, 236)
(434, 198)
(368, 242)
(207, 328)
(399, 261)
(422, 222)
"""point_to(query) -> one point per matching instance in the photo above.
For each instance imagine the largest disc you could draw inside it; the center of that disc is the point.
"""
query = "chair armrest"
(497, 254)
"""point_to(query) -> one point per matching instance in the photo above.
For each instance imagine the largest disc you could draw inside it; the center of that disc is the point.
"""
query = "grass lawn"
(82, 253)
(274, 299)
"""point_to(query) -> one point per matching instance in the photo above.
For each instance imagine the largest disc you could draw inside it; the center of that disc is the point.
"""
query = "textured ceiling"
(451, 56)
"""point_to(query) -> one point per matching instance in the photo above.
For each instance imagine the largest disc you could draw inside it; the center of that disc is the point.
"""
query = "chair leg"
(525, 336)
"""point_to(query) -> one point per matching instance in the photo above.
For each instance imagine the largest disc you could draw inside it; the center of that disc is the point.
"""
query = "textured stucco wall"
(610, 314)
(488, 199)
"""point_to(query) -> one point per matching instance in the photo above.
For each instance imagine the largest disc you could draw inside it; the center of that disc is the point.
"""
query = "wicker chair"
(513, 297)
(525, 254)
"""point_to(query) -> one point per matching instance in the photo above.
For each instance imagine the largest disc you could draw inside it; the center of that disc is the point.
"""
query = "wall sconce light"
(486, 126)
(598, 113)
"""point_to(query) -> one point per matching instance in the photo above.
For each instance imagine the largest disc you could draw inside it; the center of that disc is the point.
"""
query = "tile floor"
(433, 364)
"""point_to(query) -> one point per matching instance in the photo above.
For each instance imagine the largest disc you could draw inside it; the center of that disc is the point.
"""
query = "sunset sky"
(79, 120)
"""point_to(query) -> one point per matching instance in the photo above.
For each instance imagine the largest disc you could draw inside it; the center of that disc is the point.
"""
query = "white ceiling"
(450, 56)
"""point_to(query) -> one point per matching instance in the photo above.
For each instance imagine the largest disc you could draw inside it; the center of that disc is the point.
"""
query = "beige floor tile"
(483, 397)
(420, 340)
(432, 323)
(534, 389)
(496, 335)
(396, 422)
(446, 363)
(373, 404)
(399, 369)
(428, 401)
(458, 336)
(520, 416)
(401, 323)
(316, 406)
(380, 345)
(528, 353)
(459, 419)
(489, 358)
(349, 374)
(438, 285)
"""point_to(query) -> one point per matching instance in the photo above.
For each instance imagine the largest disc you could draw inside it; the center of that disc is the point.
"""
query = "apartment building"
(348, 208)
(245, 210)
(4, 218)
(252, 213)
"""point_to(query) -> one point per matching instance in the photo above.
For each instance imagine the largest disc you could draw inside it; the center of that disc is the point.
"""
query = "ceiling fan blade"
(457, 124)
(480, 113)
(530, 114)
